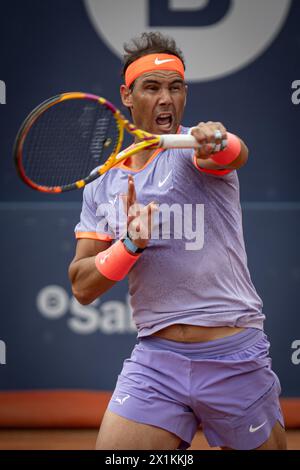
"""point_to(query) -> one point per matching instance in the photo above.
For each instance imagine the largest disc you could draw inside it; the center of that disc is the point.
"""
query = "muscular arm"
(240, 161)
(87, 282)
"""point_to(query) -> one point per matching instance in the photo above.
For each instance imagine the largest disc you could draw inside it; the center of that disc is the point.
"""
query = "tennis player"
(202, 356)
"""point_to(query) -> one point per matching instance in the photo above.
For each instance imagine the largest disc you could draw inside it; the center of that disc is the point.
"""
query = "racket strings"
(68, 141)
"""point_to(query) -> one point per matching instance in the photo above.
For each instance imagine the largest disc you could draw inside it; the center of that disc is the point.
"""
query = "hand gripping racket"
(73, 138)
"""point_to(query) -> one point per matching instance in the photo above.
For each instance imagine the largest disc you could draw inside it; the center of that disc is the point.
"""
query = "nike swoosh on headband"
(158, 61)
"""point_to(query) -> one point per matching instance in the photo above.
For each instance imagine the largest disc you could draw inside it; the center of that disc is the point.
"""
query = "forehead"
(161, 76)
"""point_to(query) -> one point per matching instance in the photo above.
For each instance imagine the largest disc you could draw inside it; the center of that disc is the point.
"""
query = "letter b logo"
(217, 37)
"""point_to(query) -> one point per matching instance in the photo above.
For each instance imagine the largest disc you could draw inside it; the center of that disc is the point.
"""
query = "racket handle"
(168, 141)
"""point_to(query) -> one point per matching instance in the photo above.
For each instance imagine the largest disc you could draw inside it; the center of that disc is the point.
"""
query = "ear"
(126, 97)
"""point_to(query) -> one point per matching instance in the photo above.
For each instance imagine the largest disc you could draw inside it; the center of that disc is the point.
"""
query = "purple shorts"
(226, 386)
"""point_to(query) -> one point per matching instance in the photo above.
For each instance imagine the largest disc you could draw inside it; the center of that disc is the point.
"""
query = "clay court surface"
(71, 439)
(69, 420)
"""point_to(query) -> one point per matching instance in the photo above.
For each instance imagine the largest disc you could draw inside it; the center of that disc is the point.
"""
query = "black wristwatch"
(131, 246)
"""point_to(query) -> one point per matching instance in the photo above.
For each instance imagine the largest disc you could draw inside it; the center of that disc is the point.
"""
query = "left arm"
(205, 135)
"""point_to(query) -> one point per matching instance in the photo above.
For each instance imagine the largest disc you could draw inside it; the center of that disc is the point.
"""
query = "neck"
(138, 160)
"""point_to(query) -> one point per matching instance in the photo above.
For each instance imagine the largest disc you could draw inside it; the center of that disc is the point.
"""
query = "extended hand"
(139, 218)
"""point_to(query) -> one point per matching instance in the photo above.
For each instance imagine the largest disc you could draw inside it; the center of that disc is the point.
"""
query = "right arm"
(87, 282)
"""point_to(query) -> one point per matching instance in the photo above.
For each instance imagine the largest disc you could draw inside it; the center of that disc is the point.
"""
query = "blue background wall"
(48, 47)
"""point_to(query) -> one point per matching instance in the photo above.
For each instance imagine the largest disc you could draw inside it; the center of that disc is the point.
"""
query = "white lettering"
(52, 302)
(85, 319)
(296, 94)
(126, 460)
(198, 233)
(2, 92)
(2, 352)
(111, 317)
(296, 354)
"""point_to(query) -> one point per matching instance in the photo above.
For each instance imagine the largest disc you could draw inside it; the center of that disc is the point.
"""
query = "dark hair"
(149, 43)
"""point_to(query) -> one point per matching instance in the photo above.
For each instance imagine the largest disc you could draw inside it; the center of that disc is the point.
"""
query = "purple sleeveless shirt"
(194, 270)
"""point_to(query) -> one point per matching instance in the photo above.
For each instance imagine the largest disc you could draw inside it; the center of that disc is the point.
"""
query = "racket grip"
(168, 141)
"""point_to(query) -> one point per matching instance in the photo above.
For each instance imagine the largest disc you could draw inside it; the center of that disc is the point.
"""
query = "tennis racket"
(73, 138)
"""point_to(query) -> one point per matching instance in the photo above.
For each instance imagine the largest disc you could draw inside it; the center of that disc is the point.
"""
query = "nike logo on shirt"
(161, 183)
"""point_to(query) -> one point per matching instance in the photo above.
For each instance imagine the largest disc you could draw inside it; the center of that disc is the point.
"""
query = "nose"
(165, 96)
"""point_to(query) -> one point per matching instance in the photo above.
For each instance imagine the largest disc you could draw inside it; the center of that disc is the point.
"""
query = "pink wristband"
(230, 153)
(211, 172)
(115, 262)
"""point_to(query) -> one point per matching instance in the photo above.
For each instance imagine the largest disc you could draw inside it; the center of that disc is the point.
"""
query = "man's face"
(157, 101)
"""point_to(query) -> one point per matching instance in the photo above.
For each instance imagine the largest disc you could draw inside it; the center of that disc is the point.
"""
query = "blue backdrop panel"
(55, 46)
(54, 342)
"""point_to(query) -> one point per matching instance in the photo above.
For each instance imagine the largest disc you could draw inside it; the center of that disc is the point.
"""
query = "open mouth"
(164, 121)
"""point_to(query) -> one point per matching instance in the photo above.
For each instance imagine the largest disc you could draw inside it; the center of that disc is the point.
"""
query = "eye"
(176, 87)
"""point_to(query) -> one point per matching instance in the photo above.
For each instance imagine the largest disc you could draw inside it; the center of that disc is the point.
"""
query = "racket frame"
(147, 140)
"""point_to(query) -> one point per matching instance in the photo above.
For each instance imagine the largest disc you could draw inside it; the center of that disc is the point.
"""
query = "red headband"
(151, 62)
